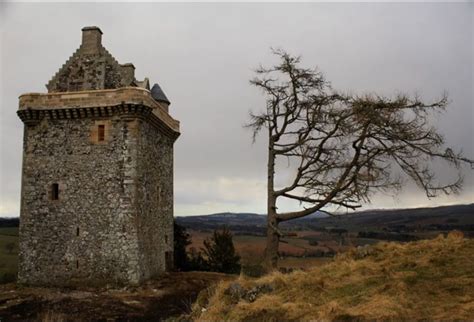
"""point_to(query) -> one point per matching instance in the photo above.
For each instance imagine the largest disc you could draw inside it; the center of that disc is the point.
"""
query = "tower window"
(101, 133)
(77, 263)
(77, 231)
(54, 191)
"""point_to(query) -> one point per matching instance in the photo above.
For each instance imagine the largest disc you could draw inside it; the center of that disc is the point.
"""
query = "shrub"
(181, 241)
(196, 262)
(8, 277)
(220, 252)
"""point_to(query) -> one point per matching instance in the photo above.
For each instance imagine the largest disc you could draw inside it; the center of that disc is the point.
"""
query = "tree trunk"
(273, 240)
(273, 237)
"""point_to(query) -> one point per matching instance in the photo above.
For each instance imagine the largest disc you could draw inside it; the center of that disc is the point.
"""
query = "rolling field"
(251, 248)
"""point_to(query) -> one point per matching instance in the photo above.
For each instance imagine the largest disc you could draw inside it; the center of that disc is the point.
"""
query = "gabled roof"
(91, 67)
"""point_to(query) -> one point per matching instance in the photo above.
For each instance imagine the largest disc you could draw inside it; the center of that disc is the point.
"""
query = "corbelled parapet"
(128, 100)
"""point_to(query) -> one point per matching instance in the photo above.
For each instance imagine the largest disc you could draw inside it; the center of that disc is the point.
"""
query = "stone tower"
(97, 178)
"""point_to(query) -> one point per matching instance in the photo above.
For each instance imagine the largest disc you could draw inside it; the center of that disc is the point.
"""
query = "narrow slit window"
(77, 231)
(77, 263)
(101, 133)
(55, 191)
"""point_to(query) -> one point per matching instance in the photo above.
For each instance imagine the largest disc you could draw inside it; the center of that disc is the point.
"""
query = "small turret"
(159, 96)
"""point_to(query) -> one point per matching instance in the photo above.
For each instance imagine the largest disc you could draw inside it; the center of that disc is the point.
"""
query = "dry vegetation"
(430, 279)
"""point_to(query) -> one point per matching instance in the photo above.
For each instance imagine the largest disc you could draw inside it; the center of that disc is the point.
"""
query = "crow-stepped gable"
(97, 178)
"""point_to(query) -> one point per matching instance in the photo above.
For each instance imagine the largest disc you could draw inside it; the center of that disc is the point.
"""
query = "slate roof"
(158, 94)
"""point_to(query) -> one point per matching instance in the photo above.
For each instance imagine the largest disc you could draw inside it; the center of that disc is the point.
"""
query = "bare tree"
(343, 148)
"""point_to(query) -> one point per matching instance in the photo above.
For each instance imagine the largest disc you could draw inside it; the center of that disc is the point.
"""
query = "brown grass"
(431, 279)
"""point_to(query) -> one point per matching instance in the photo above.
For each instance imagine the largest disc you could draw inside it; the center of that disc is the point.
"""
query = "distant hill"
(442, 218)
(459, 217)
(9, 222)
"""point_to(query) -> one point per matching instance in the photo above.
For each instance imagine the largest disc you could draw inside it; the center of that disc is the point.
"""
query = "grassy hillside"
(429, 279)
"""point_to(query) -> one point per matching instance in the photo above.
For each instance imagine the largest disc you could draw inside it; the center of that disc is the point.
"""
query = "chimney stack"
(91, 40)
(128, 73)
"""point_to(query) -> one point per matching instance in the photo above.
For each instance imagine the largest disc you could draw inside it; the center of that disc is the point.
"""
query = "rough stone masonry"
(97, 178)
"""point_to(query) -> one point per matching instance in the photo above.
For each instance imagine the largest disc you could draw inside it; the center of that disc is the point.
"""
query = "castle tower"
(97, 178)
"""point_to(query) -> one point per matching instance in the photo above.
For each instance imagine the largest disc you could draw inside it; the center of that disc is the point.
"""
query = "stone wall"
(155, 199)
(94, 233)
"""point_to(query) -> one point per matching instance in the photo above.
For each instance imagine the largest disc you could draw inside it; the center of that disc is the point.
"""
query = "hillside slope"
(430, 279)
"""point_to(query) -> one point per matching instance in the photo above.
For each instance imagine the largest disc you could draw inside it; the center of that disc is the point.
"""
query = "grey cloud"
(203, 55)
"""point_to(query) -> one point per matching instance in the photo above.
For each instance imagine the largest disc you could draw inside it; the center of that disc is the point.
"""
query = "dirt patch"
(170, 295)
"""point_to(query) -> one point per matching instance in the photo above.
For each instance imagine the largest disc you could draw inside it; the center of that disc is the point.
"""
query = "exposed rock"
(236, 292)
(258, 290)
(364, 251)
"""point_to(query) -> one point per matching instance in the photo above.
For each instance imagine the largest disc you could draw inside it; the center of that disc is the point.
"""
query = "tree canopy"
(343, 147)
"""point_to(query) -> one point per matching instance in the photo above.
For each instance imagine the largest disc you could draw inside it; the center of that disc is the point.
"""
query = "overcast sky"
(203, 56)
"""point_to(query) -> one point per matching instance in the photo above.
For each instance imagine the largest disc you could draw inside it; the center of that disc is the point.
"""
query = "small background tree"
(220, 252)
(197, 262)
(181, 241)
